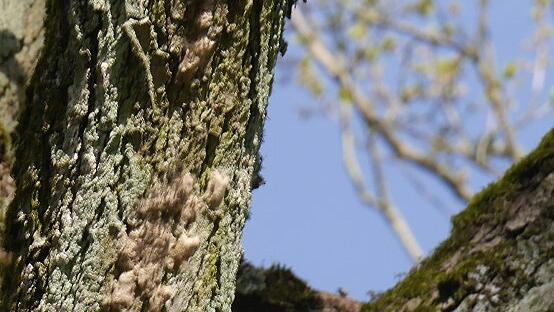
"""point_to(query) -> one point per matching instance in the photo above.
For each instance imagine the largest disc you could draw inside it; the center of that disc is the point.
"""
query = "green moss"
(486, 204)
(487, 207)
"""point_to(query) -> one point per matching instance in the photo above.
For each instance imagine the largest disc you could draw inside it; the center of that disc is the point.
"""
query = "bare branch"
(333, 66)
(393, 216)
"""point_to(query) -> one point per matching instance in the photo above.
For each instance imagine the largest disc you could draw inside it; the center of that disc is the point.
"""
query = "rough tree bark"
(21, 38)
(137, 151)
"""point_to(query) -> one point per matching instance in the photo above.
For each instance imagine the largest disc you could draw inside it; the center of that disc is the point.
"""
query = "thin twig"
(382, 204)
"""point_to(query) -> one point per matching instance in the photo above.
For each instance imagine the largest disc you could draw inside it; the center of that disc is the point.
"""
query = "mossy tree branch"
(499, 254)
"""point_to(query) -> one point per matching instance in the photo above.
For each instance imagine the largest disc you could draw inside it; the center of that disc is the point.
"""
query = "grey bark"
(137, 151)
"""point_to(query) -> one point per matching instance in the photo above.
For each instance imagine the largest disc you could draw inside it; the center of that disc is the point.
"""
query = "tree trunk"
(136, 155)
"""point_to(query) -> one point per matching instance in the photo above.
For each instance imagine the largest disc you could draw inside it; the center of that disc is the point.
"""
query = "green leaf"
(510, 71)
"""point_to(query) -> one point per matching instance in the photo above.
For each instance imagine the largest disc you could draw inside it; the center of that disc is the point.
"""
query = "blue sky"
(307, 215)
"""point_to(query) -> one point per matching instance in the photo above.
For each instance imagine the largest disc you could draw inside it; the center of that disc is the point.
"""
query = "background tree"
(416, 87)
(137, 148)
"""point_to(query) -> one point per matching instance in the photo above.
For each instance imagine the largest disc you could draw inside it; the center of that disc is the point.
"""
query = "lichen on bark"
(108, 116)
